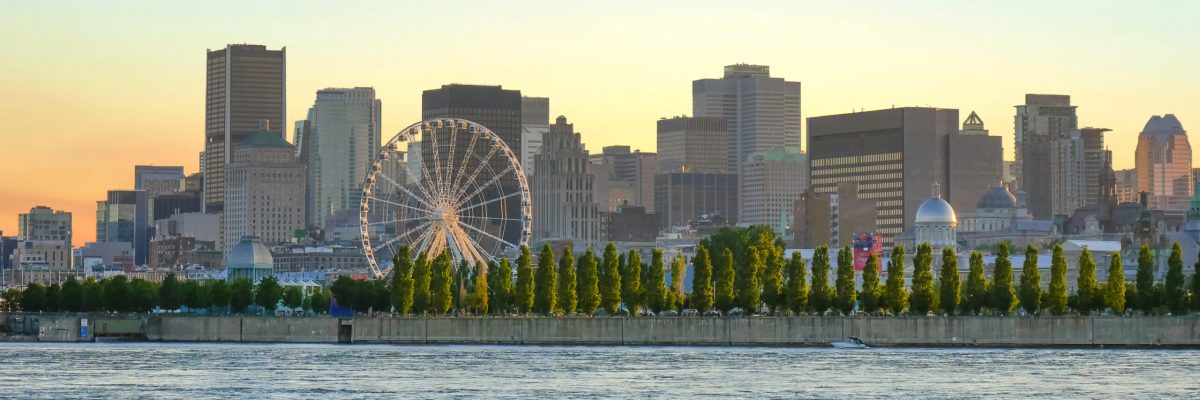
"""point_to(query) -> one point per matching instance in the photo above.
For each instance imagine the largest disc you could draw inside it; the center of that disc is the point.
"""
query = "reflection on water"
(187, 371)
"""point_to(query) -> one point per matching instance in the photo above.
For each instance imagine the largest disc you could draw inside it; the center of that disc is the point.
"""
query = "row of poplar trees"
(565, 284)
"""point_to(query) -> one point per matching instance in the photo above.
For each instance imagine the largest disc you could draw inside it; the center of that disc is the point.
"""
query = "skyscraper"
(771, 183)
(535, 122)
(1097, 166)
(693, 144)
(156, 181)
(265, 185)
(562, 203)
(1164, 164)
(683, 197)
(761, 112)
(246, 84)
(123, 217)
(1043, 120)
(342, 137)
(896, 155)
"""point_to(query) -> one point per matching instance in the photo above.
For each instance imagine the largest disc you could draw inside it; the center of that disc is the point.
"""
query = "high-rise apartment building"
(44, 223)
(1039, 124)
(624, 177)
(156, 181)
(1097, 166)
(264, 191)
(1164, 164)
(123, 217)
(771, 183)
(693, 144)
(562, 192)
(683, 197)
(342, 135)
(896, 155)
(535, 122)
(761, 112)
(246, 84)
(1126, 185)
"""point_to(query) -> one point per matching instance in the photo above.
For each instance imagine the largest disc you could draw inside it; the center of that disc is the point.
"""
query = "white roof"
(1094, 246)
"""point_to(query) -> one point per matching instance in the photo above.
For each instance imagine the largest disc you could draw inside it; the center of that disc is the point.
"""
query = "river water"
(229, 371)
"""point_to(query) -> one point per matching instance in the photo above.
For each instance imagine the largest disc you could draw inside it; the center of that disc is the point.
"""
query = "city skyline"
(83, 117)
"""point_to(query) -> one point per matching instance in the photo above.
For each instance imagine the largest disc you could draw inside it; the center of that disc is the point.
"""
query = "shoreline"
(1150, 332)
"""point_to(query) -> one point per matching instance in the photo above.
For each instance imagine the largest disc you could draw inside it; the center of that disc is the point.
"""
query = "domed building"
(249, 259)
(935, 222)
(997, 210)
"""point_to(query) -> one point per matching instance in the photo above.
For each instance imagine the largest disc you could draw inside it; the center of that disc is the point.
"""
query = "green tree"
(195, 296)
(654, 292)
(724, 276)
(976, 295)
(895, 295)
(145, 295)
(747, 280)
(1058, 282)
(268, 294)
(169, 293)
(871, 289)
(33, 298)
(821, 295)
(478, 299)
(772, 282)
(568, 298)
(610, 280)
(702, 286)
(921, 300)
(72, 295)
(10, 300)
(1031, 282)
(422, 274)
(546, 283)
(501, 287)
(846, 295)
(675, 296)
(293, 298)
(1114, 288)
(402, 280)
(220, 294)
(346, 293)
(241, 295)
(589, 283)
(1145, 281)
(320, 301)
(1176, 294)
(1088, 296)
(53, 298)
(1196, 287)
(631, 283)
(797, 284)
(117, 294)
(523, 296)
(440, 282)
(93, 296)
(950, 282)
(1003, 296)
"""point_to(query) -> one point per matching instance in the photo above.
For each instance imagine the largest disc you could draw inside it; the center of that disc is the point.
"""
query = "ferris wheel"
(456, 188)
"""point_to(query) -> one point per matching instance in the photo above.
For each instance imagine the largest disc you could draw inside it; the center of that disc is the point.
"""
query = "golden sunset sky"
(88, 89)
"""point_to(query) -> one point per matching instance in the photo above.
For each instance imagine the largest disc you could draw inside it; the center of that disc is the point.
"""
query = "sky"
(89, 89)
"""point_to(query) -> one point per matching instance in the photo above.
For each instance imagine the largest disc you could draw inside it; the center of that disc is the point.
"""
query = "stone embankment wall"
(764, 331)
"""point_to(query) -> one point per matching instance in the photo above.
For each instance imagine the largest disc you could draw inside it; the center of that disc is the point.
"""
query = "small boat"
(850, 343)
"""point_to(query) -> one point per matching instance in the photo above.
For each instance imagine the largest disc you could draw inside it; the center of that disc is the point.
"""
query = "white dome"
(936, 211)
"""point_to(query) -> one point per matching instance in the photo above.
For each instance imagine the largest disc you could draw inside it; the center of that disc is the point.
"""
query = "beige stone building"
(771, 182)
(264, 191)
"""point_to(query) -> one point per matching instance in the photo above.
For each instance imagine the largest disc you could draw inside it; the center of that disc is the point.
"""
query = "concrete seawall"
(764, 331)
(800, 331)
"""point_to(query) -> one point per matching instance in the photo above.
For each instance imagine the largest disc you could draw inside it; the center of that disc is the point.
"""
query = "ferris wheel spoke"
(480, 188)
(491, 218)
(397, 220)
(466, 162)
(487, 234)
(392, 241)
(406, 191)
(427, 212)
(480, 204)
(449, 174)
(483, 162)
(437, 162)
(477, 248)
